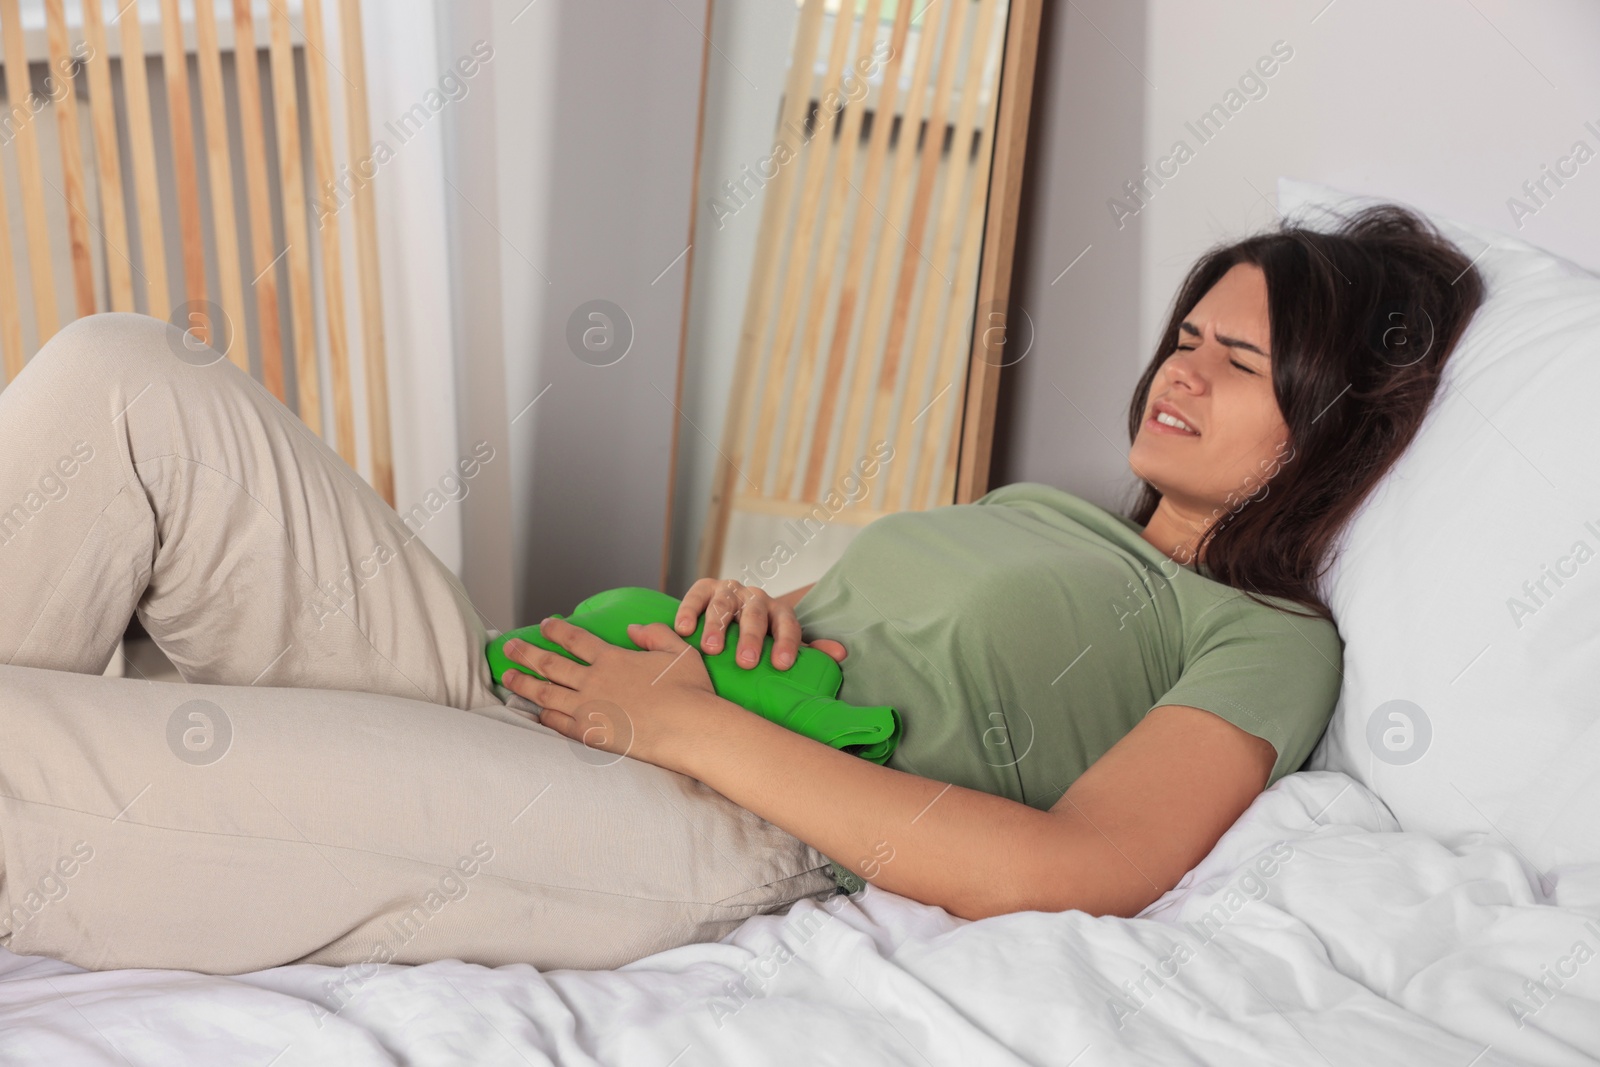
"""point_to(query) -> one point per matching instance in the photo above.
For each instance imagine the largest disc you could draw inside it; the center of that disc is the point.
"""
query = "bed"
(1315, 932)
(1432, 903)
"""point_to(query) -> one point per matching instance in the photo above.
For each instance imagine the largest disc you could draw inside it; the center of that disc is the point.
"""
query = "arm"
(1122, 835)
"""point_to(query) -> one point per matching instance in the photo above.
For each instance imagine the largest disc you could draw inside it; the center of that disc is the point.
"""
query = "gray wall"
(1448, 107)
(1060, 415)
(573, 185)
(574, 175)
(744, 90)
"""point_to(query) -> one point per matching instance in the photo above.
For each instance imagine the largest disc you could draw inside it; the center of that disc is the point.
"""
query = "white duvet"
(1314, 933)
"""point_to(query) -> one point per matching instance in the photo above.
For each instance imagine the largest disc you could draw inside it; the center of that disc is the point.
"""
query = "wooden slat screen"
(25, 140)
(108, 160)
(859, 312)
(71, 162)
(185, 171)
(142, 151)
(219, 167)
(114, 237)
(258, 188)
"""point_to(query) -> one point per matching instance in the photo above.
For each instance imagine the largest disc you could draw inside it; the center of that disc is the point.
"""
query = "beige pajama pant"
(337, 782)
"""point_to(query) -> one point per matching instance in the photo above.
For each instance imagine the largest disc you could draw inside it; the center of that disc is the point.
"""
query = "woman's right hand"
(723, 600)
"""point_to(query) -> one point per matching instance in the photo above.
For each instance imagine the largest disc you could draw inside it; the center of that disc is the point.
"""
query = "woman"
(1106, 695)
(1089, 701)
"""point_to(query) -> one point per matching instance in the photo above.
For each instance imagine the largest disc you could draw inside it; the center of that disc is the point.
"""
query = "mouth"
(1164, 421)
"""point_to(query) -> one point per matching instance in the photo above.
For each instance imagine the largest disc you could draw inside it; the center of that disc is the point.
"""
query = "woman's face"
(1218, 382)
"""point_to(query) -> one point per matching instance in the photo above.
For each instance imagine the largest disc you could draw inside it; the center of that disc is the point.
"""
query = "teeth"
(1168, 420)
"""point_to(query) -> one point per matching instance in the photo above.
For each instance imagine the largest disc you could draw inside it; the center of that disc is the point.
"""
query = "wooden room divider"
(881, 251)
(114, 228)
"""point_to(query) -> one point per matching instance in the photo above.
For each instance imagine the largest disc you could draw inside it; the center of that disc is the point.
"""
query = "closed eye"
(1236, 363)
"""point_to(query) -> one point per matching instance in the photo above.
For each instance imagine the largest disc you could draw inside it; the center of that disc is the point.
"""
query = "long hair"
(1362, 320)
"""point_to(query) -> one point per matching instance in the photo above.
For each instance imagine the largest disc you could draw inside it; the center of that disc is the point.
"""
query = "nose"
(1182, 366)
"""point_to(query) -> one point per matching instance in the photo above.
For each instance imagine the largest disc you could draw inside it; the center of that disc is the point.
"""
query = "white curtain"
(403, 67)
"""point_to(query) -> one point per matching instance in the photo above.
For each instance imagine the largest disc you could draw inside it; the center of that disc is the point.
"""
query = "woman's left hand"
(633, 703)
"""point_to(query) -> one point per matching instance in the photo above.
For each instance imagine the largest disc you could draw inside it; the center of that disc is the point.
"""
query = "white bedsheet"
(1363, 945)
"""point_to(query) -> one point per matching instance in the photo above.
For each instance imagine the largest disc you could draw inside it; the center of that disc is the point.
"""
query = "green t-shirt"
(1022, 636)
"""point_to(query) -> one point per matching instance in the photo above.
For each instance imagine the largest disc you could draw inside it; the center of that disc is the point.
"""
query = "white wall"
(1059, 418)
(1448, 106)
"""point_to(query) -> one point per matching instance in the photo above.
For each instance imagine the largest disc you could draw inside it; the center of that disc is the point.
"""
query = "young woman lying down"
(1089, 700)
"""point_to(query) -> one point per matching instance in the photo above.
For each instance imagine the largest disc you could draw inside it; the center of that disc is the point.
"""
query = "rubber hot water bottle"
(800, 698)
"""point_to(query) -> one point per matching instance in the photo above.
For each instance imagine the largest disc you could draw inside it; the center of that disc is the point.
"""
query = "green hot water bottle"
(800, 698)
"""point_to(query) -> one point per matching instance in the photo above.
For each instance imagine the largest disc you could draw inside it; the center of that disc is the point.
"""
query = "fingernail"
(783, 660)
(747, 659)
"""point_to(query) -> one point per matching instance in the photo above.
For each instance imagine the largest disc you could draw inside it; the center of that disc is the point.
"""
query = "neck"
(1175, 530)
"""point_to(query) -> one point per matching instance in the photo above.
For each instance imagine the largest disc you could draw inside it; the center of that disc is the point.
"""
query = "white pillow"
(1471, 699)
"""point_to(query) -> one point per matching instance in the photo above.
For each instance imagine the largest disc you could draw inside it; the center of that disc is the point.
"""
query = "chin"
(1139, 463)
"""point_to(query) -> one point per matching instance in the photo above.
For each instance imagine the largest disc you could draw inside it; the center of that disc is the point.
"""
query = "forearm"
(972, 853)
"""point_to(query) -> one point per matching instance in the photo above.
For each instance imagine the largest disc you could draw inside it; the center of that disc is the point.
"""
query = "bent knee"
(96, 347)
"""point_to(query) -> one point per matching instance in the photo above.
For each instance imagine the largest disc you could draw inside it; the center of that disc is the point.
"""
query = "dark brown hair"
(1363, 317)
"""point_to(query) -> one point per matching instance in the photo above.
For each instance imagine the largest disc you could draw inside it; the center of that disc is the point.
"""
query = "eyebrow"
(1231, 342)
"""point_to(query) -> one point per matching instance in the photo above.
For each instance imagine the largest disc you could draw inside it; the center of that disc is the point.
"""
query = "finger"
(559, 721)
(557, 668)
(724, 607)
(752, 631)
(545, 694)
(832, 648)
(785, 637)
(580, 642)
(656, 637)
(694, 602)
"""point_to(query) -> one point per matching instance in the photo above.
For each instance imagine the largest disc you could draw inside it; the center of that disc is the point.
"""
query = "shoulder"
(1219, 612)
(1278, 644)
(1274, 673)
(1285, 658)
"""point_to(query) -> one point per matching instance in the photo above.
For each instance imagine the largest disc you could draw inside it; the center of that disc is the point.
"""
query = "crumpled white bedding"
(1315, 932)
